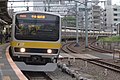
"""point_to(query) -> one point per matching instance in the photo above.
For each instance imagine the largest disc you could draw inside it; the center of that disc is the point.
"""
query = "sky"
(116, 2)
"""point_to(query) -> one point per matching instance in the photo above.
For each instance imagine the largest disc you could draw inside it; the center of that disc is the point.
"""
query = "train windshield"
(39, 27)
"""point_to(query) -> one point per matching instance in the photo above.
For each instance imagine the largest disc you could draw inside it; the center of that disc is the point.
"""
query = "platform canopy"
(4, 13)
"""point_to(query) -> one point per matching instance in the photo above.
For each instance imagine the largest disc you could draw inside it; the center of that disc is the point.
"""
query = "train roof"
(37, 12)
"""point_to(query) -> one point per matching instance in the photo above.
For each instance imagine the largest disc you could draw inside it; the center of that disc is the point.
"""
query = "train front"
(36, 38)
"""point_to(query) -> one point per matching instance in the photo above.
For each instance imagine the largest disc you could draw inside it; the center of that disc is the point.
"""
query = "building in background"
(95, 17)
(56, 6)
(112, 16)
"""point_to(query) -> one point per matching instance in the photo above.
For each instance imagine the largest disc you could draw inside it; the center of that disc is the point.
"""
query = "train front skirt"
(49, 67)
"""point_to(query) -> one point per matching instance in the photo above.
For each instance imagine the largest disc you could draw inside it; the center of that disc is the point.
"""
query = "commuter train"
(35, 37)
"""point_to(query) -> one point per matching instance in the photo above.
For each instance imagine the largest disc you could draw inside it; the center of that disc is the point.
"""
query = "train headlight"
(49, 51)
(22, 49)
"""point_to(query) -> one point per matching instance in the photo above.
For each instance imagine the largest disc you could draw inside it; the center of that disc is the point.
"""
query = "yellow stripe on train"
(51, 45)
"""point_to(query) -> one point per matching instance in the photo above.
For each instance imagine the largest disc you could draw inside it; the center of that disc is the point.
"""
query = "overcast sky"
(116, 2)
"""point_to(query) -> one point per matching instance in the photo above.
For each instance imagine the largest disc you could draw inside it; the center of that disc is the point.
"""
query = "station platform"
(6, 70)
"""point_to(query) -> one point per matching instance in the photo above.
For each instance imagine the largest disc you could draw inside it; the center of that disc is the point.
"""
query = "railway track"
(66, 48)
(99, 62)
(105, 64)
(36, 75)
(101, 50)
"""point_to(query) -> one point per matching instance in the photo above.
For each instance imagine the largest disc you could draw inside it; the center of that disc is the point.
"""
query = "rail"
(105, 64)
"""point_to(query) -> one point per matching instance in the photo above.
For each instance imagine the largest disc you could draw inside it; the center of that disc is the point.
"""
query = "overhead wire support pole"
(77, 32)
(45, 9)
(27, 5)
(48, 1)
(86, 24)
(65, 29)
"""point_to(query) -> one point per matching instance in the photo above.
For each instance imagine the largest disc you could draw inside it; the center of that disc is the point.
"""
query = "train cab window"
(37, 29)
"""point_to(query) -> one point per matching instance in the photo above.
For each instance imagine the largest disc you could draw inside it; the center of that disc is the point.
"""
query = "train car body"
(36, 38)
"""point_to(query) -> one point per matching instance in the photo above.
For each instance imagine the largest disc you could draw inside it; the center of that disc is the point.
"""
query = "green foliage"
(111, 39)
(69, 18)
(71, 21)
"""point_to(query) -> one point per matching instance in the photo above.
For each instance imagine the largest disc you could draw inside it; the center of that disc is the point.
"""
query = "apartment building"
(112, 17)
(96, 18)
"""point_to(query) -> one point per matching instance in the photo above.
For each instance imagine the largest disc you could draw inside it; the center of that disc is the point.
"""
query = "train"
(36, 38)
